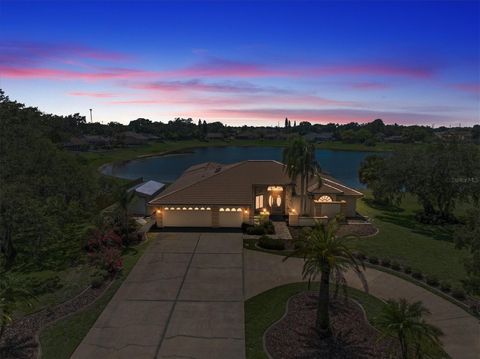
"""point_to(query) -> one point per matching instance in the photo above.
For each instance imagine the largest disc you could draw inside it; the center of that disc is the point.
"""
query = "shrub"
(395, 265)
(458, 293)
(386, 262)
(256, 230)
(432, 280)
(445, 287)
(97, 282)
(271, 243)
(246, 226)
(268, 227)
(359, 255)
(340, 218)
(417, 275)
(373, 260)
(407, 269)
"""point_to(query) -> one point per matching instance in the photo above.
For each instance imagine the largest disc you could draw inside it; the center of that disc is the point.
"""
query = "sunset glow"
(253, 63)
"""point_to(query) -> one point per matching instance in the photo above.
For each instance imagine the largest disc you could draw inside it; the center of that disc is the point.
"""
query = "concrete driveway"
(461, 330)
(183, 299)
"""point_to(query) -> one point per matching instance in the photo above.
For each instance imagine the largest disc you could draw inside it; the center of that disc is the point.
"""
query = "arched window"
(325, 199)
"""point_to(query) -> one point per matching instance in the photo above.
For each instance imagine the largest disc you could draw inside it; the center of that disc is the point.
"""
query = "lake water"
(342, 165)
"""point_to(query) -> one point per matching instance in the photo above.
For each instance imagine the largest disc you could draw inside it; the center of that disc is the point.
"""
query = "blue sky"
(245, 63)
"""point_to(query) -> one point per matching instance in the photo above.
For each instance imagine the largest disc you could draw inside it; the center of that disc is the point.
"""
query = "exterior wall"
(138, 206)
(330, 210)
(230, 219)
(350, 205)
(187, 218)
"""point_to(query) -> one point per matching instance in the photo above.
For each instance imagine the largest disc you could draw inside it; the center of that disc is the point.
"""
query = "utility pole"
(90, 115)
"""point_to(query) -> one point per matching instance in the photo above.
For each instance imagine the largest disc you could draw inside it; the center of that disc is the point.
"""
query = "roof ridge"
(201, 180)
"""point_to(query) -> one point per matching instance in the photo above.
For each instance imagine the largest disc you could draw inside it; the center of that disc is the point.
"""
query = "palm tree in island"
(405, 322)
(326, 254)
(299, 159)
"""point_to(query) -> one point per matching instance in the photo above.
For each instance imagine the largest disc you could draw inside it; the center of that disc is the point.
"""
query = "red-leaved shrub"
(104, 248)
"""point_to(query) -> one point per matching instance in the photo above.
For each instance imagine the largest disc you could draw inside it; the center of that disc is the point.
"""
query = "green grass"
(266, 308)
(62, 338)
(427, 248)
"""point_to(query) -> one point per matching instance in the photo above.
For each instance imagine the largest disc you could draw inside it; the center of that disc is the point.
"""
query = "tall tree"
(406, 322)
(328, 255)
(468, 237)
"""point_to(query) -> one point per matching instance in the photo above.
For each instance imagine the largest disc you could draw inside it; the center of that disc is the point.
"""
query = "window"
(259, 201)
(324, 199)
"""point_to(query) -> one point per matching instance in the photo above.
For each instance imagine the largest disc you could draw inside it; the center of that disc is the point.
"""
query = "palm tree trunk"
(302, 197)
(323, 315)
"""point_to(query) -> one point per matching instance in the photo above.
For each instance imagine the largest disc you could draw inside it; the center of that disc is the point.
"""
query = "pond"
(342, 165)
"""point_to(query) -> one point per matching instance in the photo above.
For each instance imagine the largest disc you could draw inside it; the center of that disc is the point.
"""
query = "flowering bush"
(104, 248)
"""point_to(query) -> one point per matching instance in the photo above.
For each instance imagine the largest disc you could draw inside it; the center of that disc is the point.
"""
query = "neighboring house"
(214, 136)
(318, 137)
(216, 195)
(76, 144)
(144, 193)
(130, 138)
(247, 135)
(97, 141)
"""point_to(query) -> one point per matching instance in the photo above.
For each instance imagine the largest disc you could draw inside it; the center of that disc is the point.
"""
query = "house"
(76, 144)
(318, 137)
(144, 193)
(227, 195)
(130, 138)
(215, 136)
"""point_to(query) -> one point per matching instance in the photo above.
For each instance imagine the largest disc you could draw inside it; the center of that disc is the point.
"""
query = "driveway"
(183, 299)
(461, 330)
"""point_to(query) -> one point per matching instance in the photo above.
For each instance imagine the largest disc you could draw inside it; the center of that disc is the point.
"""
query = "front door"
(275, 202)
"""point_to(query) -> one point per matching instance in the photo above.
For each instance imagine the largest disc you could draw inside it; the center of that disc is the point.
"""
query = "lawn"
(427, 248)
(266, 308)
(62, 338)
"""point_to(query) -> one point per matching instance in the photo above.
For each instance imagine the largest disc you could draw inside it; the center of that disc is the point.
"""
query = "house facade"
(216, 195)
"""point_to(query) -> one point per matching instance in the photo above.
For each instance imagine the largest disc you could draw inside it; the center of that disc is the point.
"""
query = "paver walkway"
(462, 331)
(183, 299)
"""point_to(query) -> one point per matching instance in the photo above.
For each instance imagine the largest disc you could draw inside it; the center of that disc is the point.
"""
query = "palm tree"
(405, 321)
(124, 200)
(299, 158)
(327, 255)
(292, 158)
(311, 168)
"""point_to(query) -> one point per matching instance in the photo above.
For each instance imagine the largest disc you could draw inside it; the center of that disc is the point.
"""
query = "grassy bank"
(60, 340)
(266, 308)
(425, 248)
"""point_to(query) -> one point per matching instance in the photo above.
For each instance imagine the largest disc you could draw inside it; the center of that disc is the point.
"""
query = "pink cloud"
(227, 68)
(368, 86)
(61, 74)
(468, 87)
(22, 52)
(93, 94)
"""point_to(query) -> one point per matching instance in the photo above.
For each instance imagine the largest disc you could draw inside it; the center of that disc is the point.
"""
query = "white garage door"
(230, 219)
(179, 218)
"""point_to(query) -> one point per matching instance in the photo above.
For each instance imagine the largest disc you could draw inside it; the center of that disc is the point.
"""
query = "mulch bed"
(294, 336)
(19, 340)
(356, 229)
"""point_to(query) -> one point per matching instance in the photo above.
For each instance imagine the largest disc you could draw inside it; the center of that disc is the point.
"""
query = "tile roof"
(213, 183)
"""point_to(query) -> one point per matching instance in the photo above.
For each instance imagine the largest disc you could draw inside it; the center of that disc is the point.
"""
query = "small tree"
(327, 255)
(405, 322)
(10, 297)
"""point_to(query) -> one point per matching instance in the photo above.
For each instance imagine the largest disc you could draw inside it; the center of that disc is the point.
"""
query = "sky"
(245, 63)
